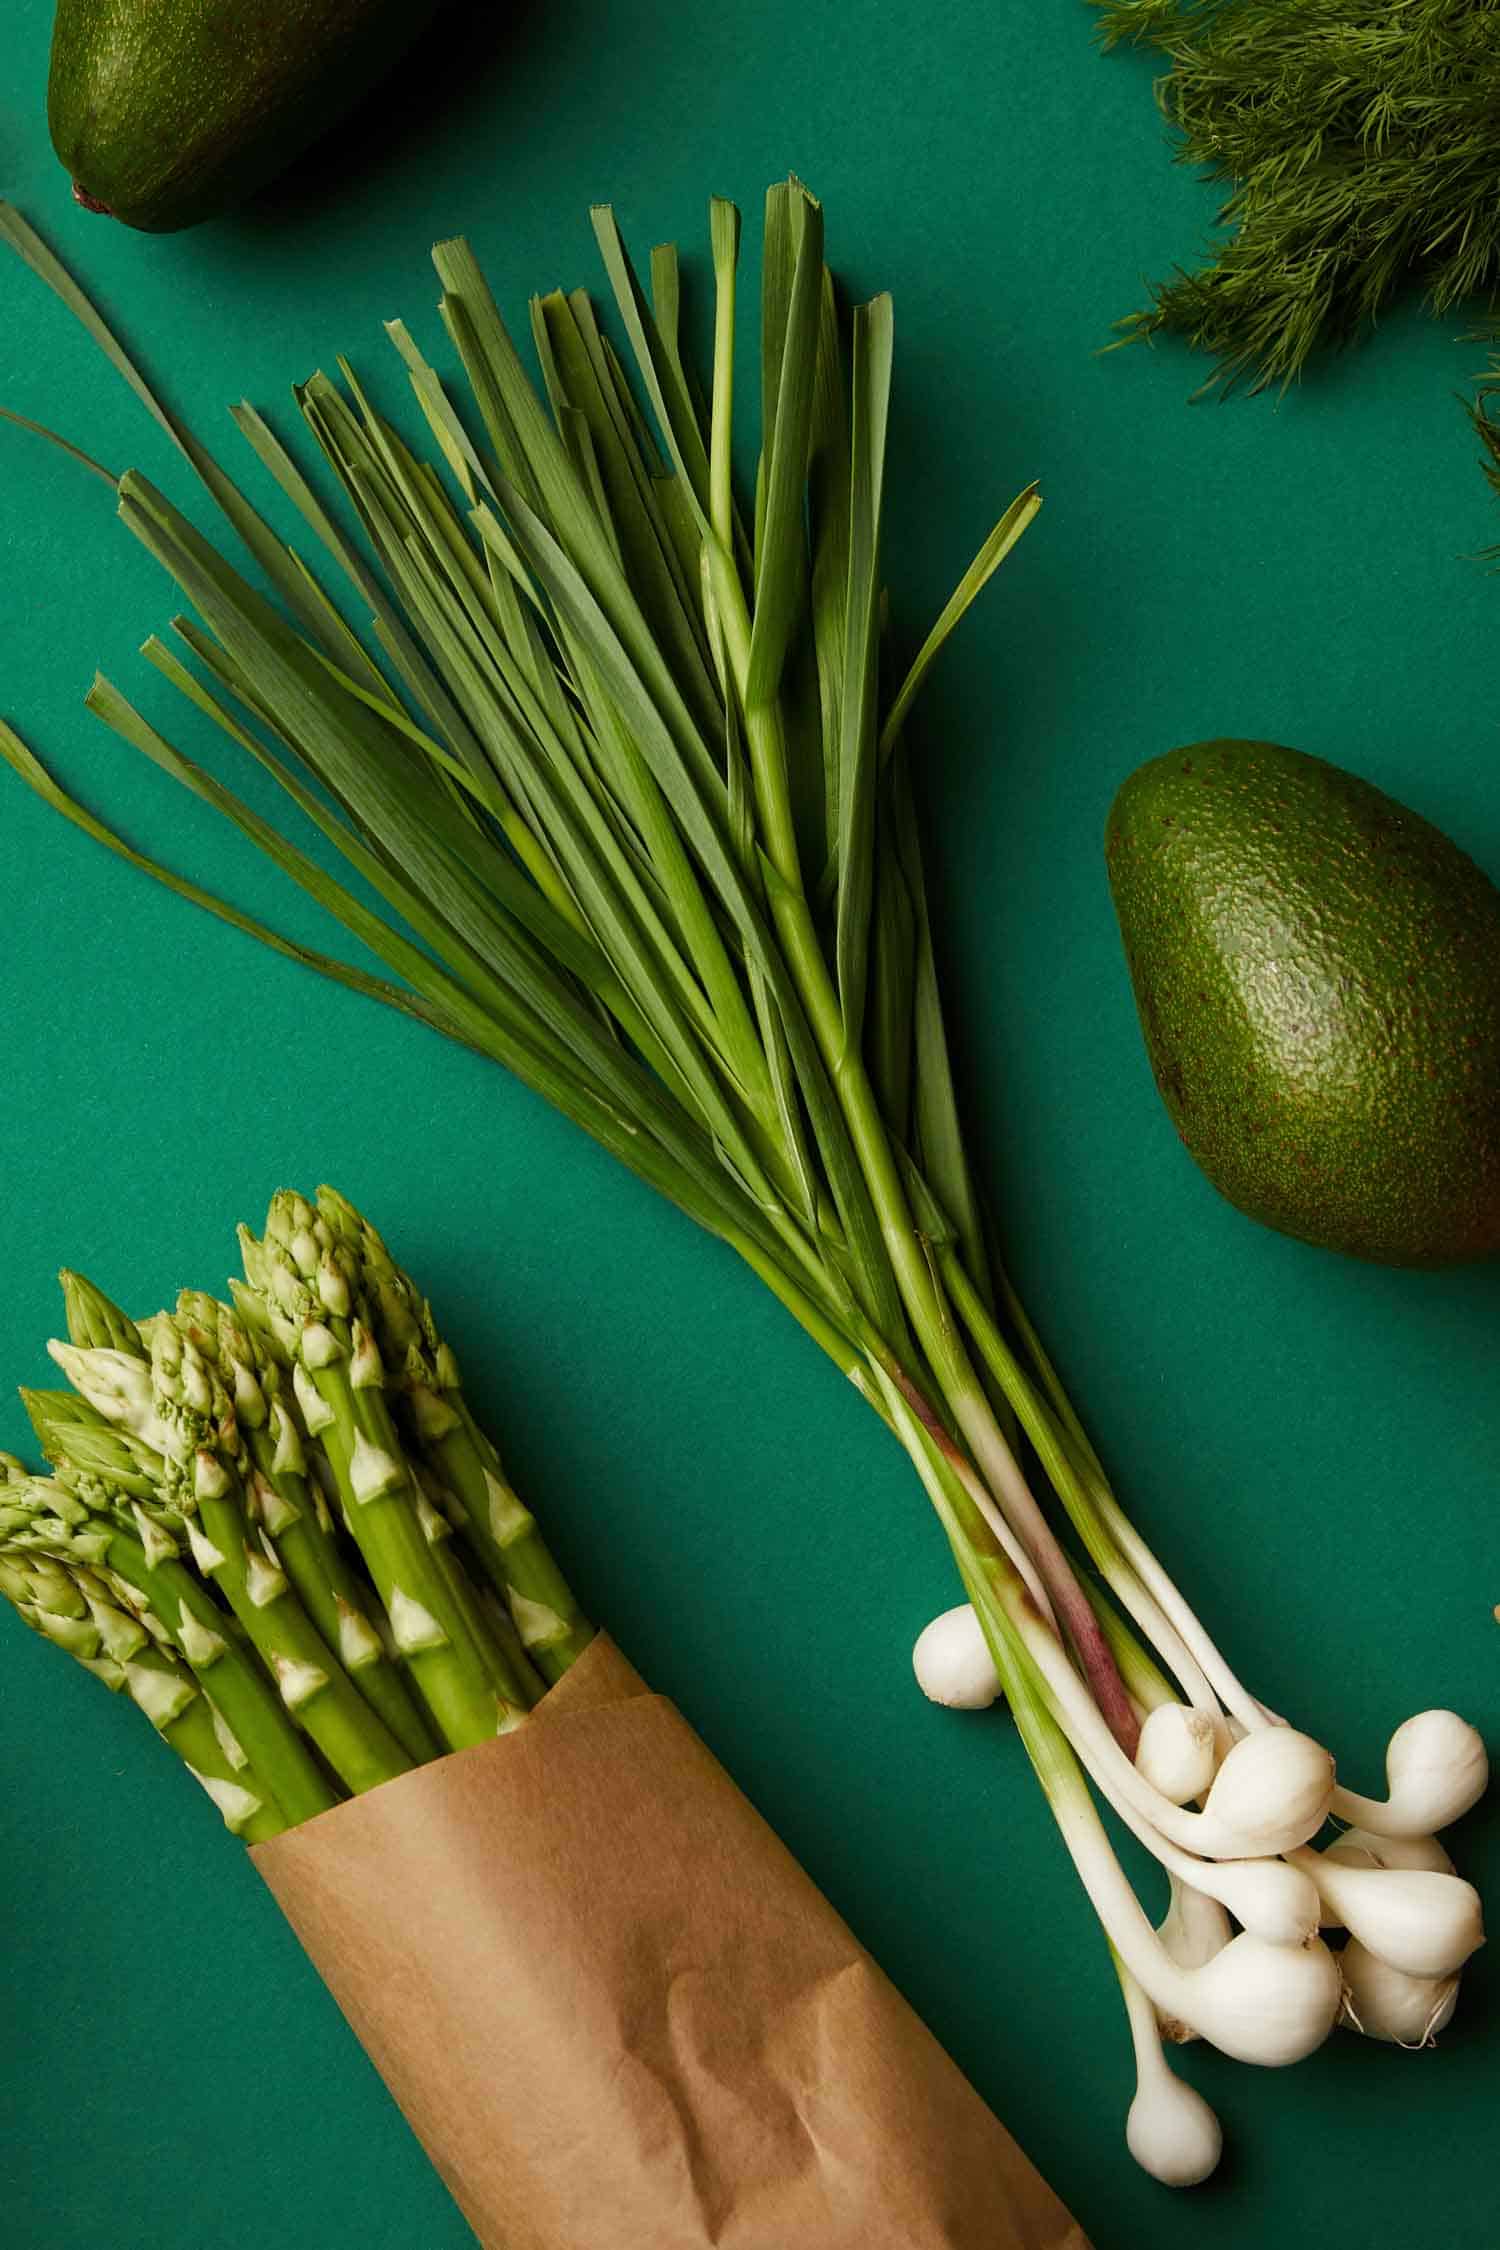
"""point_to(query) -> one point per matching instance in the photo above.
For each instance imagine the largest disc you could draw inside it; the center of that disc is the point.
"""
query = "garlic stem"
(1259, 2002)
(1193, 1929)
(1436, 1770)
(1164, 1638)
(1230, 1691)
(1265, 1824)
(984, 1501)
(1262, 2003)
(1270, 1899)
(1360, 1847)
(1071, 1468)
(998, 1467)
(1170, 2130)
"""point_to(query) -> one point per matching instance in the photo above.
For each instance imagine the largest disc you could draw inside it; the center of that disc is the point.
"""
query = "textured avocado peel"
(167, 112)
(1317, 972)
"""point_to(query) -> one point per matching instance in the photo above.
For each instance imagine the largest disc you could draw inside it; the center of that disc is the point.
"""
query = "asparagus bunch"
(278, 1527)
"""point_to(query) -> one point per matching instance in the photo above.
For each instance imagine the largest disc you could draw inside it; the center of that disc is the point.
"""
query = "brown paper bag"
(620, 2016)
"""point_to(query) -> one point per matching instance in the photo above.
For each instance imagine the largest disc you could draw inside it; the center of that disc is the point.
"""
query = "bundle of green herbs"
(619, 757)
(1359, 146)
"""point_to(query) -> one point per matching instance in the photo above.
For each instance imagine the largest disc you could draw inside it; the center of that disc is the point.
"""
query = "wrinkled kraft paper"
(621, 2017)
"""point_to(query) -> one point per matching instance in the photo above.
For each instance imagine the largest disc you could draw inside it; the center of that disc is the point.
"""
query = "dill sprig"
(1484, 413)
(1361, 139)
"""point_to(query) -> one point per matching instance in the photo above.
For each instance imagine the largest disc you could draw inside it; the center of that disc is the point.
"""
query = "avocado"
(168, 111)
(1317, 972)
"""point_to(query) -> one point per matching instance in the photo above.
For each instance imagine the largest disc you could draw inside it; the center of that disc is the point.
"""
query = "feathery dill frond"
(1361, 143)
(1484, 412)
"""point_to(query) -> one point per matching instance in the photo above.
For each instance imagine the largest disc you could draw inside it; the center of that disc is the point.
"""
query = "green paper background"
(1313, 1444)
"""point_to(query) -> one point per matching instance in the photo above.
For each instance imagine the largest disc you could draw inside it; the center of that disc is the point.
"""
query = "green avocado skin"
(1317, 972)
(167, 112)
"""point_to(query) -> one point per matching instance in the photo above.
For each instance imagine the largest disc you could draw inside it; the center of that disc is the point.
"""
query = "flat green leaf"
(1018, 516)
(566, 944)
(64, 445)
(828, 499)
(936, 1134)
(660, 371)
(700, 825)
(409, 821)
(578, 374)
(666, 303)
(889, 1015)
(23, 762)
(778, 259)
(781, 549)
(259, 538)
(724, 243)
(502, 1028)
(859, 740)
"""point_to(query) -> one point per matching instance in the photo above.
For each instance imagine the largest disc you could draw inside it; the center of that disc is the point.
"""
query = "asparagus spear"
(496, 1618)
(165, 1689)
(92, 1459)
(93, 1319)
(290, 1511)
(501, 1530)
(338, 1381)
(31, 1597)
(42, 1520)
(116, 1647)
(198, 1465)
(202, 1486)
(512, 1674)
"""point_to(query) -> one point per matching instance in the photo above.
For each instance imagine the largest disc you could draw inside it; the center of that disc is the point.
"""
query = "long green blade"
(24, 762)
(858, 735)
(781, 546)
(1021, 513)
